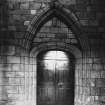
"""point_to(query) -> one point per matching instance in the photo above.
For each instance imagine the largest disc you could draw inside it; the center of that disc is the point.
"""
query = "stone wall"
(18, 68)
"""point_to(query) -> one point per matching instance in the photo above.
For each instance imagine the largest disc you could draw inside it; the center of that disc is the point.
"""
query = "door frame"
(57, 46)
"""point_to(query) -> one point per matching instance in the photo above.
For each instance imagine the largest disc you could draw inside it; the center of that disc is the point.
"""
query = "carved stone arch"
(57, 46)
(64, 15)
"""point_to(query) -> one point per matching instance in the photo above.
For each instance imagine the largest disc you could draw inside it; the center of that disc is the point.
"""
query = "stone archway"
(37, 53)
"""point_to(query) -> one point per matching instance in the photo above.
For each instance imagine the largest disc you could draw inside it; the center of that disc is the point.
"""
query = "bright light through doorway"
(55, 60)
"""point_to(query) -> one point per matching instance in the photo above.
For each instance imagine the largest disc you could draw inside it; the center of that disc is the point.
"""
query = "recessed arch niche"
(47, 36)
(55, 35)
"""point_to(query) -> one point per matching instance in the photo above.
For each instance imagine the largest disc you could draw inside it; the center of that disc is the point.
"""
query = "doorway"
(55, 78)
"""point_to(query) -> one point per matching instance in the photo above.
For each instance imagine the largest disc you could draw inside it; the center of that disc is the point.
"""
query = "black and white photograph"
(52, 52)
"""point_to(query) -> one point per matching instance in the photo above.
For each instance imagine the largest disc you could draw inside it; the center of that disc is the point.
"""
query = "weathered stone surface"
(18, 71)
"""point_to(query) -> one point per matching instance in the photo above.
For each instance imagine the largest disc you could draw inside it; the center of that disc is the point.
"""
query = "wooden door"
(55, 82)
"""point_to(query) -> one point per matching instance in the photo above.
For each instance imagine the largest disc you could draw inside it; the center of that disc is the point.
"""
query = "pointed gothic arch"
(62, 14)
(70, 20)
